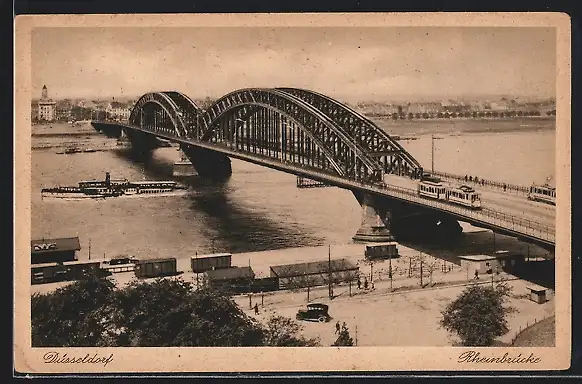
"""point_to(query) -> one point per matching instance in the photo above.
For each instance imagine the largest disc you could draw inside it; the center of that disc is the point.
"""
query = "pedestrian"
(466, 178)
(256, 309)
(359, 283)
(476, 275)
(365, 283)
(470, 178)
(504, 187)
(344, 327)
(337, 327)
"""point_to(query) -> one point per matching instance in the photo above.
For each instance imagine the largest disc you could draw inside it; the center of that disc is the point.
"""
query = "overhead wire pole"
(329, 271)
(390, 270)
(196, 266)
(432, 154)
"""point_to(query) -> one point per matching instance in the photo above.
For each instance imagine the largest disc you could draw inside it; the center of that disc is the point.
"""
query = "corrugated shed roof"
(231, 273)
(210, 256)
(312, 268)
(159, 260)
(55, 245)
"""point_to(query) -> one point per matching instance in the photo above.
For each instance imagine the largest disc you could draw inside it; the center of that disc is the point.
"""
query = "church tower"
(46, 107)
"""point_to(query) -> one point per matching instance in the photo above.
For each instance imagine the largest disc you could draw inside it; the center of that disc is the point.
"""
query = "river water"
(259, 208)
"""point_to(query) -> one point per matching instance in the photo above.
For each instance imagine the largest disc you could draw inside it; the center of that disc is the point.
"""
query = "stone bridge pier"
(386, 220)
(142, 144)
(208, 164)
(376, 223)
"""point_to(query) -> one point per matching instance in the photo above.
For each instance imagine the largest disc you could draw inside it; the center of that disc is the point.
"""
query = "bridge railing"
(502, 220)
(514, 223)
(505, 187)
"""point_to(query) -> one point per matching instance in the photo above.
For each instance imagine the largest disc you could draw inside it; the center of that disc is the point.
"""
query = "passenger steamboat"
(95, 189)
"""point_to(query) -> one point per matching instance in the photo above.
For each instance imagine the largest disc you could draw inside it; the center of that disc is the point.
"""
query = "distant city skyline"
(351, 64)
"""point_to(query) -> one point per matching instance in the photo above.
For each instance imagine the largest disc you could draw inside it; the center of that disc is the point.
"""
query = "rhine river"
(259, 208)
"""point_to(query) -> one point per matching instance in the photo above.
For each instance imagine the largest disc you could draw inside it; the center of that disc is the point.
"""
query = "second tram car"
(544, 193)
(464, 195)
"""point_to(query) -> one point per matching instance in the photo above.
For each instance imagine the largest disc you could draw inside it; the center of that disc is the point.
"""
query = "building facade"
(46, 107)
(117, 111)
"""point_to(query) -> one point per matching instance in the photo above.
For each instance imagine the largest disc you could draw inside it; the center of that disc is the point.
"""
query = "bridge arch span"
(361, 129)
(250, 112)
(346, 157)
(145, 113)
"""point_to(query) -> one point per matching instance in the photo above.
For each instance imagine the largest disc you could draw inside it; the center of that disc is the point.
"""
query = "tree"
(162, 313)
(478, 315)
(284, 332)
(344, 339)
(430, 266)
(65, 317)
(168, 312)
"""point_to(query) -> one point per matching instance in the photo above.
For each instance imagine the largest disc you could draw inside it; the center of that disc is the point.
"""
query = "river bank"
(390, 312)
(444, 259)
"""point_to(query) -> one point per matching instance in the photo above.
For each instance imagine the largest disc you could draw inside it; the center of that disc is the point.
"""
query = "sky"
(348, 63)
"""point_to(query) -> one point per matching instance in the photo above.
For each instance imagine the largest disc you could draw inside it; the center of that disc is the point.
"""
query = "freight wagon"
(70, 270)
(203, 263)
(155, 267)
(46, 273)
(381, 251)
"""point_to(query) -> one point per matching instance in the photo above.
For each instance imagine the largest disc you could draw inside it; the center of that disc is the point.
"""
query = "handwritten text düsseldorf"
(57, 358)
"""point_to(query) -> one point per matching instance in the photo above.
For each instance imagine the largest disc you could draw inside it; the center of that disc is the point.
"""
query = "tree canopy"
(478, 315)
(65, 317)
(162, 313)
(283, 332)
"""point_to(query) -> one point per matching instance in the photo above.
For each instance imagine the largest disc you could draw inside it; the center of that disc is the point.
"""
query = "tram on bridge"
(434, 188)
(543, 193)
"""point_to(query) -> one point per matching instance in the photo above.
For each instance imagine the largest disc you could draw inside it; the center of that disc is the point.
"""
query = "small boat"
(71, 150)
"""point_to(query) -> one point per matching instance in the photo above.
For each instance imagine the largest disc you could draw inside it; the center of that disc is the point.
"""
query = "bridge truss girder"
(375, 141)
(279, 128)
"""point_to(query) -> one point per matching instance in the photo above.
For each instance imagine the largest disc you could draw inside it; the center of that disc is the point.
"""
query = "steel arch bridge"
(293, 126)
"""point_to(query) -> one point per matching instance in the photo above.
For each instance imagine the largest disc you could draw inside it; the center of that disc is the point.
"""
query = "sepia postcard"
(215, 193)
